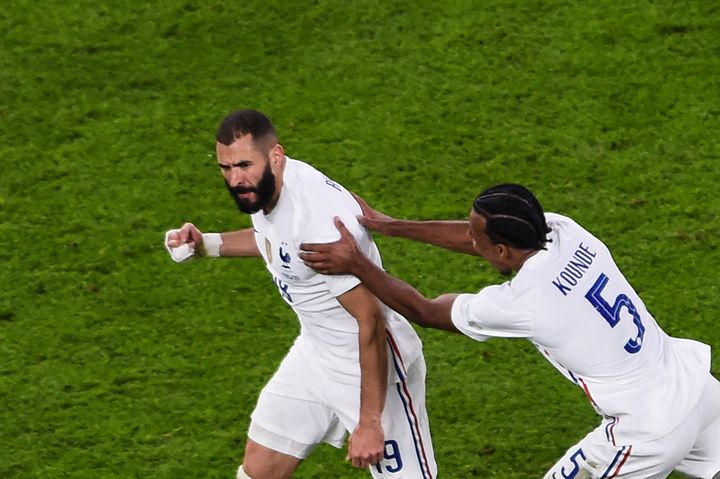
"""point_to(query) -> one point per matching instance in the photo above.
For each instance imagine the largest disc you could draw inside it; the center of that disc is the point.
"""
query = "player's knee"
(241, 474)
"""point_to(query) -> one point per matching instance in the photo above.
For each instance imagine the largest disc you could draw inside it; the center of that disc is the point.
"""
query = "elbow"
(422, 317)
(435, 314)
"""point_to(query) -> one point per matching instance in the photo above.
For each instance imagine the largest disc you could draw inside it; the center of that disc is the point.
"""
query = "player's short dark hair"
(513, 216)
(246, 122)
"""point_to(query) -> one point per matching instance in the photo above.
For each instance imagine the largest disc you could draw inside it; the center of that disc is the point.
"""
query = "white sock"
(241, 474)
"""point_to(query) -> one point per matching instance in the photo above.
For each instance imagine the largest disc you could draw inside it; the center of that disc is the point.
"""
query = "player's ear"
(277, 154)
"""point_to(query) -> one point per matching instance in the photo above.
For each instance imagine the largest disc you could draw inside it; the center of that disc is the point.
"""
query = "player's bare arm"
(451, 235)
(344, 257)
(232, 243)
(366, 444)
(239, 243)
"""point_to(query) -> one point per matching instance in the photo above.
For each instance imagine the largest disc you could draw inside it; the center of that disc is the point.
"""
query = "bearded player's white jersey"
(328, 333)
(575, 305)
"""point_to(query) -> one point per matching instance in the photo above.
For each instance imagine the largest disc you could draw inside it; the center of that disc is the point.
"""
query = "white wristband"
(212, 242)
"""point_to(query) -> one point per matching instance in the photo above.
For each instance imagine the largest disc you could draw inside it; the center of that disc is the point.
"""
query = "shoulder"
(499, 298)
(559, 220)
(315, 186)
(304, 175)
(320, 199)
(495, 311)
(561, 224)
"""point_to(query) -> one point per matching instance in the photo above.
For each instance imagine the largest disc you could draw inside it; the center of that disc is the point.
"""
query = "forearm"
(239, 243)
(451, 235)
(403, 298)
(395, 293)
(365, 445)
(344, 256)
(373, 371)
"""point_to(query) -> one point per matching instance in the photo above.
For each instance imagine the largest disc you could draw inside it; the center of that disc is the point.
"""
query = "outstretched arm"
(239, 243)
(232, 243)
(451, 235)
(344, 256)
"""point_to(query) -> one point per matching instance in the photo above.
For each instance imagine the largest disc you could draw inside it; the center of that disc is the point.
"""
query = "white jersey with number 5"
(328, 333)
(575, 305)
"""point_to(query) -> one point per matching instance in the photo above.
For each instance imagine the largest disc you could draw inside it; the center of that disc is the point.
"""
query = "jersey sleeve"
(325, 232)
(492, 312)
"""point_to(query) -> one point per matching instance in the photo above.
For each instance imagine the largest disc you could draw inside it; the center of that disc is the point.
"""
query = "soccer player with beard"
(356, 366)
(659, 402)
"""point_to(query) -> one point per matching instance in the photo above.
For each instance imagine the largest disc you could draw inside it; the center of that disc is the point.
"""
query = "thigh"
(408, 444)
(293, 426)
(594, 457)
(692, 448)
(703, 460)
(290, 416)
(408, 447)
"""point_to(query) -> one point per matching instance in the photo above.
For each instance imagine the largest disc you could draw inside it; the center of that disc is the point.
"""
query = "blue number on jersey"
(283, 288)
(612, 313)
(576, 466)
(392, 453)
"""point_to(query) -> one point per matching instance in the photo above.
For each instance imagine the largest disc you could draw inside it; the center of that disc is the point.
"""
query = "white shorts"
(298, 409)
(693, 448)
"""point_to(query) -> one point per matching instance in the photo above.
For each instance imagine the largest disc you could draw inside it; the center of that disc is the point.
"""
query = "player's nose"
(238, 177)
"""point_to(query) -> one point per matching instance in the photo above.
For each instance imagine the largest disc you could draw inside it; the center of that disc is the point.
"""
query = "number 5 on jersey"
(612, 313)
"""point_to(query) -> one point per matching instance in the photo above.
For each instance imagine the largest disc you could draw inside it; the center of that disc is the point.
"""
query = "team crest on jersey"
(268, 250)
(284, 257)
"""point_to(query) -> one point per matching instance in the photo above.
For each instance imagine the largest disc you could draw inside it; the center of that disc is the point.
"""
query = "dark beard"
(264, 190)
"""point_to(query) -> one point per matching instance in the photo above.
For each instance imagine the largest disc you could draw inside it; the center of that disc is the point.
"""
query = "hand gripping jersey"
(575, 305)
(328, 333)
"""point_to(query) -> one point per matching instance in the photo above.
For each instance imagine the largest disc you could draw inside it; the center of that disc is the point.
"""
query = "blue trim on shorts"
(394, 352)
(613, 463)
(424, 468)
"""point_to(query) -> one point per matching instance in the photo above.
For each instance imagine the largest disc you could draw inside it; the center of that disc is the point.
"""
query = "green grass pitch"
(117, 363)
